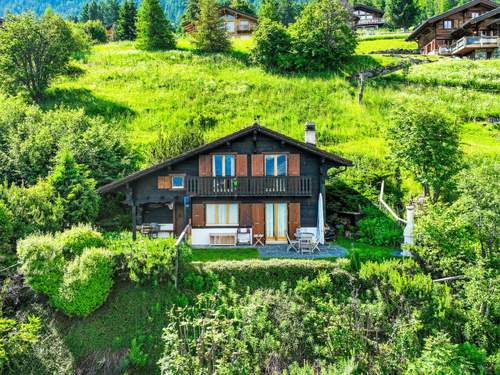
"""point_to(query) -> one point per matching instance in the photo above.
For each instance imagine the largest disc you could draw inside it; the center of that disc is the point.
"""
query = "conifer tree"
(153, 29)
(243, 6)
(110, 10)
(191, 12)
(92, 11)
(126, 26)
(211, 33)
(401, 13)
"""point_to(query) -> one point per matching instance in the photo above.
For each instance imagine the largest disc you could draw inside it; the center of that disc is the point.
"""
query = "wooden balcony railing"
(249, 186)
(472, 42)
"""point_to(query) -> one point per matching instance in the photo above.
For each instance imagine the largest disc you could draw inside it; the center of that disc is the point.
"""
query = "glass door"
(276, 222)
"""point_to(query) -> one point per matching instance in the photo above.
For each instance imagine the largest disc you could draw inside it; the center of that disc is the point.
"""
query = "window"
(222, 214)
(475, 14)
(177, 181)
(223, 165)
(447, 24)
(275, 165)
(244, 25)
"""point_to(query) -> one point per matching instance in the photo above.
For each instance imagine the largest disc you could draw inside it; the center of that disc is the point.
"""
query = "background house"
(255, 181)
(238, 24)
(445, 33)
(368, 17)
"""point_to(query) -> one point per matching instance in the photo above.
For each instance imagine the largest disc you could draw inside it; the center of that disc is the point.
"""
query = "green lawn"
(366, 252)
(366, 46)
(214, 254)
(130, 311)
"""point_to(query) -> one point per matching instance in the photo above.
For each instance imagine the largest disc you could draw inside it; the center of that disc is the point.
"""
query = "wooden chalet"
(255, 184)
(367, 17)
(470, 29)
(238, 24)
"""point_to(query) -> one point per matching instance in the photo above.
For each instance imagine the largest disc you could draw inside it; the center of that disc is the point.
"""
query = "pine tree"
(126, 25)
(111, 10)
(211, 33)
(76, 189)
(191, 12)
(92, 11)
(153, 29)
(401, 13)
(283, 11)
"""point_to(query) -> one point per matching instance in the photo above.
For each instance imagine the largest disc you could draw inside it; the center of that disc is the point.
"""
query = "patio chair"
(292, 244)
(306, 244)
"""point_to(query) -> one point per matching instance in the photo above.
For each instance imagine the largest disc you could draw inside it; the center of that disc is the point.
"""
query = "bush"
(78, 238)
(266, 274)
(42, 262)
(377, 229)
(175, 142)
(6, 227)
(272, 46)
(86, 284)
(151, 260)
(95, 31)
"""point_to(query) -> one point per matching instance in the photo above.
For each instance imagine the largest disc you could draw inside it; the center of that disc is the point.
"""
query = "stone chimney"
(310, 133)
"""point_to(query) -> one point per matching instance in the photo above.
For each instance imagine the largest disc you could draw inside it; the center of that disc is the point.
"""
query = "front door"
(178, 218)
(276, 222)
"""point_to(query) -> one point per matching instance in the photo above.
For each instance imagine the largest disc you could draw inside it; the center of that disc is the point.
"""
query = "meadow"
(147, 92)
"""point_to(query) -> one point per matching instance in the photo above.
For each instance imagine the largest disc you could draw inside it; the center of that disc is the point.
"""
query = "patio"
(280, 251)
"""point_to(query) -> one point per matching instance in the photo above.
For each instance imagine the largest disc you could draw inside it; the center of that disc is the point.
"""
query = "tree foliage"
(282, 11)
(401, 13)
(33, 51)
(153, 29)
(95, 31)
(243, 6)
(175, 142)
(126, 26)
(211, 35)
(272, 46)
(426, 142)
(322, 37)
(76, 189)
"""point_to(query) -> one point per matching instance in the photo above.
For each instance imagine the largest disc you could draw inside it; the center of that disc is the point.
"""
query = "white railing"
(479, 41)
(182, 238)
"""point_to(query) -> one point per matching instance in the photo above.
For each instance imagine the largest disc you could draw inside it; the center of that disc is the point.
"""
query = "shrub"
(78, 238)
(136, 355)
(174, 142)
(86, 284)
(6, 227)
(272, 46)
(42, 263)
(266, 274)
(151, 260)
(377, 229)
(95, 31)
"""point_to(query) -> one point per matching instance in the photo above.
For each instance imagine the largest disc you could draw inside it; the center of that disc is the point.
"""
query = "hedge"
(77, 238)
(254, 273)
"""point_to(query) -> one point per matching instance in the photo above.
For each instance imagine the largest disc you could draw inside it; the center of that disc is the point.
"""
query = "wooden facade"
(238, 24)
(193, 188)
(367, 17)
(438, 35)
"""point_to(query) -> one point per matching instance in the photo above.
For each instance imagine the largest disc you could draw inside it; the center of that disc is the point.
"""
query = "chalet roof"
(463, 29)
(368, 8)
(231, 137)
(240, 12)
(434, 19)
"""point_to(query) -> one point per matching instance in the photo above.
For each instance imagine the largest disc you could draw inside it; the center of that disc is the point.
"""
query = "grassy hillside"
(146, 91)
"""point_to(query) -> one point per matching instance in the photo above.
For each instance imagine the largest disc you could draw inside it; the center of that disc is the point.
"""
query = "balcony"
(467, 44)
(249, 186)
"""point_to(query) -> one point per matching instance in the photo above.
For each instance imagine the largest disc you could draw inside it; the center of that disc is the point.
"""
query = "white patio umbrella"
(321, 220)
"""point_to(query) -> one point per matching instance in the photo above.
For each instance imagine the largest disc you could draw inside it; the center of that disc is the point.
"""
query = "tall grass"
(146, 91)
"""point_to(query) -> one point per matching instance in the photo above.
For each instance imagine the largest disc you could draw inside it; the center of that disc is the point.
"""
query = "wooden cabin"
(238, 24)
(367, 17)
(255, 184)
(440, 35)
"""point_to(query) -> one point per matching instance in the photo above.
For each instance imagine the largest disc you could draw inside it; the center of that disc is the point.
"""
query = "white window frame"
(475, 14)
(445, 22)
(216, 220)
(233, 169)
(183, 182)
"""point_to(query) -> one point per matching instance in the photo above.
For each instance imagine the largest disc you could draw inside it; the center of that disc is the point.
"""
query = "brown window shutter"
(293, 218)
(241, 165)
(257, 165)
(164, 182)
(245, 215)
(198, 217)
(294, 165)
(205, 165)
(258, 219)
